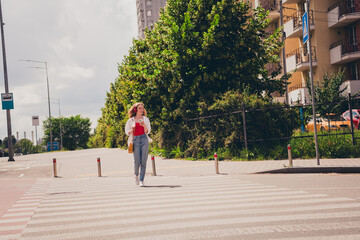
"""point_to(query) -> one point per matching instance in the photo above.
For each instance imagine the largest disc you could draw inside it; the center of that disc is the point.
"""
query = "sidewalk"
(117, 162)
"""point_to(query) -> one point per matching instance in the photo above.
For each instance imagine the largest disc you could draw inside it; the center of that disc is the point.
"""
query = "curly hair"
(132, 111)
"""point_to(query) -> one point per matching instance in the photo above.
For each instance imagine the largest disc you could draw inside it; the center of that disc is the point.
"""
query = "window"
(148, 13)
(352, 34)
(350, 3)
(148, 3)
(354, 71)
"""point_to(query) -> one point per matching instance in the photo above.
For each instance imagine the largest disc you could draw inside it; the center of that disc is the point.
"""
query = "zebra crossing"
(14, 221)
(204, 207)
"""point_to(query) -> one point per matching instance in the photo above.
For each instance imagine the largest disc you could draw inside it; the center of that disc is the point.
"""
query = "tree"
(329, 94)
(197, 52)
(75, 131)
(5, 141)
(25, 146)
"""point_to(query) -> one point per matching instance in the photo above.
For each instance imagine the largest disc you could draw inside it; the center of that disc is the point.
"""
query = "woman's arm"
(147, 125)
(128, 127)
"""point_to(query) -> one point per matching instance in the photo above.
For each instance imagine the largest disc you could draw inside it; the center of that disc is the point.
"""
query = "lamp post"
(48, 93)
(61, 139)
(8, 117)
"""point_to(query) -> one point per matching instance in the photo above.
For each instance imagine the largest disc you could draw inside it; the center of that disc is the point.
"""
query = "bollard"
(290, 156)
(216, 163)
(54, 166)
(99, 167)
(153, 166)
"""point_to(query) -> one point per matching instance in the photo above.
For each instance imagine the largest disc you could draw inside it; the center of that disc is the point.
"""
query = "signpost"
(7, 101)
(307, 39)
(305, 27)
(54, 147)
(8, 117)
(35, 122)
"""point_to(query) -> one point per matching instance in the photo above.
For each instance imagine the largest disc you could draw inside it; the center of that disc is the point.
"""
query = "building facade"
(148, 12)
(334, 42)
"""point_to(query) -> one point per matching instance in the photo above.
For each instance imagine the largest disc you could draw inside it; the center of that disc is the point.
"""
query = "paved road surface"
(185, 201)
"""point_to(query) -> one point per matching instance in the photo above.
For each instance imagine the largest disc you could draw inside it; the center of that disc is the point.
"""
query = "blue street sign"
(305, 27)
(7, 101)
(55, 146)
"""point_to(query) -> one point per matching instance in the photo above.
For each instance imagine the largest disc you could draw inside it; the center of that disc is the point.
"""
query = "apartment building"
(334, 41)
(148, 12)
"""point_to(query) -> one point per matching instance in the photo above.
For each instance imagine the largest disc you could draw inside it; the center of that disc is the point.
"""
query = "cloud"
(82, 42)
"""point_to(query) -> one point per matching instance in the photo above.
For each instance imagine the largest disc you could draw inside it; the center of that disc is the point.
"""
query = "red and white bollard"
(290, 156)
(99, 167)
(153, 166)
(54, 167)
(216, 163)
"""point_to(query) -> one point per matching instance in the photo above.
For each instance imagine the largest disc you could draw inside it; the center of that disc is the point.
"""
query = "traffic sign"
(55, 146)
(7, 101)
(35, 120)
(305, 27)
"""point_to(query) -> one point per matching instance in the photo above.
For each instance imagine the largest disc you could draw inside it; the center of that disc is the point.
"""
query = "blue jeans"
(141, 151)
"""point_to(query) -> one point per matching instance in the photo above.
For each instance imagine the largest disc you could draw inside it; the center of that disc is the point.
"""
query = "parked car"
(355, 115)
(323, 124)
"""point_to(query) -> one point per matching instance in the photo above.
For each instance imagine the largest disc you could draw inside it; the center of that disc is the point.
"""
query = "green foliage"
(198, 52)
(6, 143)
(225, 131)
(332, 146)
(25, 146)
(329, 95)
(75, 131)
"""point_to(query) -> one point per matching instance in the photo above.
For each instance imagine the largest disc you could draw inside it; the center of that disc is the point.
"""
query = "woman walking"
(139, 126)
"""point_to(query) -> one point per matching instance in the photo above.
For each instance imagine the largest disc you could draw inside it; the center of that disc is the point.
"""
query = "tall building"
(334, 42)
(148, 12)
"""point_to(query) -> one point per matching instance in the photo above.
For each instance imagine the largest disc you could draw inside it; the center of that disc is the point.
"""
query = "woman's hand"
(142, 123)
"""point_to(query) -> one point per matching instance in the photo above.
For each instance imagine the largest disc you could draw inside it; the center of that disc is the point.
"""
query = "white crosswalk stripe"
(207, 207)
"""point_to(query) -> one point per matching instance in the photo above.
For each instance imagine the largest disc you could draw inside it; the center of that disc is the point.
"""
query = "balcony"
(290, 1)
(272, 67)
(272, 6)
(352, 80)
(298, 94)
(341, 14)
(293, 24)
(343, 52)
(300, 60)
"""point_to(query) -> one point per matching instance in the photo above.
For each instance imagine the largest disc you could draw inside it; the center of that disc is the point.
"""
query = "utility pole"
(61, 138)
(48, 94)
(8, 117)
(312, 82)
(283, 51)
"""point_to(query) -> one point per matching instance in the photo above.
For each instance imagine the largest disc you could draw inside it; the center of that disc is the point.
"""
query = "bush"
(331, 146)
(225, 130)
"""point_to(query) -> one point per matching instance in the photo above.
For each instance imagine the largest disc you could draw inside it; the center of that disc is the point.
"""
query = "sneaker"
(142, 184)
(137, 180)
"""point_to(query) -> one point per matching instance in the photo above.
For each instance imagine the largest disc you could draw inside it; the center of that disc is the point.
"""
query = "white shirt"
(131, 122)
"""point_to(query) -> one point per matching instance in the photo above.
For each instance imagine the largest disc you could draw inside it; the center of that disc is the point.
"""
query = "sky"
(82, 41)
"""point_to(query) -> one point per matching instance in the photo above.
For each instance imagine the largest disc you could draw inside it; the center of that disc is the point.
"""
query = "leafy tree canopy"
(196, 52)
(75, 131)
(6, 143)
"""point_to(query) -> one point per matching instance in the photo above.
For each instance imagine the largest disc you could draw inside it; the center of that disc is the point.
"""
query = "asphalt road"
(186, 200)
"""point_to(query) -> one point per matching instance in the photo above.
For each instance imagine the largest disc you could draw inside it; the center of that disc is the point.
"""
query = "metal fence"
(298, 122)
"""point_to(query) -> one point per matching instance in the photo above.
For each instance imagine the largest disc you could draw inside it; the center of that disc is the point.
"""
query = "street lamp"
(61, 139)
(10, 145)
(48, 93)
